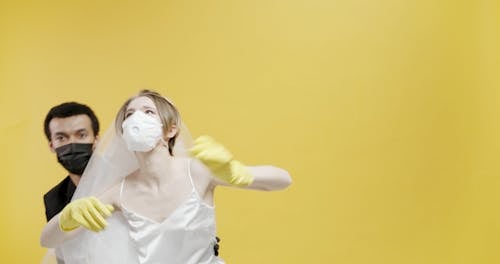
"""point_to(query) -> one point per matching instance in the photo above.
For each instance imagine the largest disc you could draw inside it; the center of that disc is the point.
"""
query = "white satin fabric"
(110, 246)
(186, 236)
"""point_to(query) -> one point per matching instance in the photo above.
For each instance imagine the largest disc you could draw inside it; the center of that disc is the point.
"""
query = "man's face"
(73, 129)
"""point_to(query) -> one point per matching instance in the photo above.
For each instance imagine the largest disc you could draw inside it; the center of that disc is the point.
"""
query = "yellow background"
(386, 114)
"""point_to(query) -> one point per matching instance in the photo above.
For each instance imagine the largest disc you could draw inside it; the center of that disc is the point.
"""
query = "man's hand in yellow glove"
(220, 161)
(87, 212)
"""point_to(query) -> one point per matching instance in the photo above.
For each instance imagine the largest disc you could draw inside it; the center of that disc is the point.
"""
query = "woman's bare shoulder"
(198, 168)
(112, 195)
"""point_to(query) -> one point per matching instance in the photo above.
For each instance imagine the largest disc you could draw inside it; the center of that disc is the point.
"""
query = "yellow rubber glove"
(220, 161)
(87, 212)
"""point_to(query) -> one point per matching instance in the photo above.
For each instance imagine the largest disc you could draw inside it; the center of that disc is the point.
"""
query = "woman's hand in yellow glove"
(220, 161)
(87, 212)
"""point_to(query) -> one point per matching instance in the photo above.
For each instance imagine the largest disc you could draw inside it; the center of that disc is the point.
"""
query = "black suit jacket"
(58, 197)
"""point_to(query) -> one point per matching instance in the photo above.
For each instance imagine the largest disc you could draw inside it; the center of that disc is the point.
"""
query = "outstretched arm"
(85, 212)
(265, 178)
(225, 170)
(52, 235)
(269, 178)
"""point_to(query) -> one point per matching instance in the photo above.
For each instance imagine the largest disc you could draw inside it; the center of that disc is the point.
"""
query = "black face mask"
(74, 157)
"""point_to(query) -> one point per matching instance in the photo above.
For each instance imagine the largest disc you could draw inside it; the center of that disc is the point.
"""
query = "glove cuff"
(62, 220)
(240, 174)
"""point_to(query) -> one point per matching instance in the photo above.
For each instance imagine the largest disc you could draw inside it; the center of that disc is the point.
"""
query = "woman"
(166, 201)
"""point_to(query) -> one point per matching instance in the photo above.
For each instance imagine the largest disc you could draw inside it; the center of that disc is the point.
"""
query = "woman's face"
(143, 104)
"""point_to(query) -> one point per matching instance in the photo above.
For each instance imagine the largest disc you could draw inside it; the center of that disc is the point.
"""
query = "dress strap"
(121, 191)
(189, 174)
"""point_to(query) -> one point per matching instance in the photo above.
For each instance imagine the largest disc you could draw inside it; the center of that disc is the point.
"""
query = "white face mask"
(141, 132)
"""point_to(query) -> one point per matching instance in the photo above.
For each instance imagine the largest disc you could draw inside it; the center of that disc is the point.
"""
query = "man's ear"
(172, 131)
(96, 140)
(51, 147)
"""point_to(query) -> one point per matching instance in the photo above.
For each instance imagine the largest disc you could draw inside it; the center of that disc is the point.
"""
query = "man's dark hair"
(70, 109)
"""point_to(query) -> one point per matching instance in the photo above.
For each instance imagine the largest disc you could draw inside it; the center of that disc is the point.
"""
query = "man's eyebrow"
(81, 130)
(60, 134)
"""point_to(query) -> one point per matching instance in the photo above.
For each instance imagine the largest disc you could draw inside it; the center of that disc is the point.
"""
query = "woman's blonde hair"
(168, 113)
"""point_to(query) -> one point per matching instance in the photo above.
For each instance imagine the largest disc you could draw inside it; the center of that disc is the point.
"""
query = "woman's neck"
(153, 164)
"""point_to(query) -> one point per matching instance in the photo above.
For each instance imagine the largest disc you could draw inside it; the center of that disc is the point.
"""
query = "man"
(72, 130)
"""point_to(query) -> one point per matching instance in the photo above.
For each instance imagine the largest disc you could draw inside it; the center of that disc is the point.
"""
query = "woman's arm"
(215, 160)
(52, 235)
(88, 212)
(265, 178)
(269, 178)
